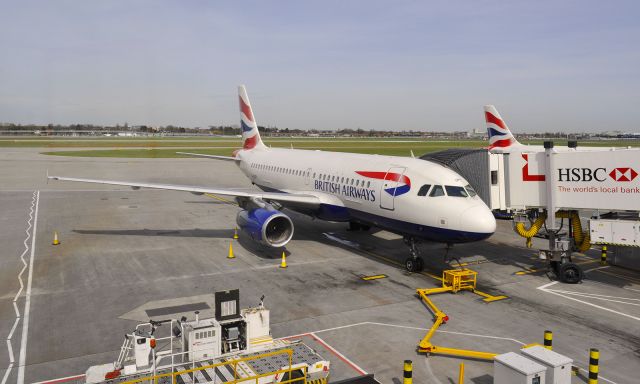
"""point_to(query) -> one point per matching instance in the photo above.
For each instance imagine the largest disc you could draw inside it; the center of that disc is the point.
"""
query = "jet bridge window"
(455, 191)
(437, 191)
(424, 190)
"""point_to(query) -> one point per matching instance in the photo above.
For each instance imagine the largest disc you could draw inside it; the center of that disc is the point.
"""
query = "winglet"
(499, 134)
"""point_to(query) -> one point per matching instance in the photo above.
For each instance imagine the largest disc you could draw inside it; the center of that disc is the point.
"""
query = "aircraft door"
(307, 176)
(389, 185)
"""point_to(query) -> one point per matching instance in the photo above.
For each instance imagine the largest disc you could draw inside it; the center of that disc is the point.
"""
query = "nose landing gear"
(414, 262)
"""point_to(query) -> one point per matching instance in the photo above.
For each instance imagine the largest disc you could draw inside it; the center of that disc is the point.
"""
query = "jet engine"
(266, 225)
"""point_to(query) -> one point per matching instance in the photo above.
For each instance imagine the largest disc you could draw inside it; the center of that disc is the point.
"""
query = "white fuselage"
(382, 191)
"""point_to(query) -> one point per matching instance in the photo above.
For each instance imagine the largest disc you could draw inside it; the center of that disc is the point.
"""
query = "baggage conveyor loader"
(453, 280)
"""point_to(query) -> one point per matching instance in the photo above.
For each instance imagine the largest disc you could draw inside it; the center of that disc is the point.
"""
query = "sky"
(570, 66)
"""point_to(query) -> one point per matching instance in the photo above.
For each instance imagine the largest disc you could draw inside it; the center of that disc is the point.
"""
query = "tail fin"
(499, 134)
(250, 135)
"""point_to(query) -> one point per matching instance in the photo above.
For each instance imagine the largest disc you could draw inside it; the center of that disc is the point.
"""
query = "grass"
(381, 147)
(166, 147)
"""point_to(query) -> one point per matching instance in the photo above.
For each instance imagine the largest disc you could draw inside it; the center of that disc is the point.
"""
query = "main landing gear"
(414, 262)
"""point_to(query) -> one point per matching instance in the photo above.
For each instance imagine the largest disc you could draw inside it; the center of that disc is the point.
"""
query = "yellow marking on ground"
(373, 277)
(220, 198)
(489, 298)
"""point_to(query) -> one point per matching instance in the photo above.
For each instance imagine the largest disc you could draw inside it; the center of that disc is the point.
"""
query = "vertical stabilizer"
(499, 134)
(250, 135)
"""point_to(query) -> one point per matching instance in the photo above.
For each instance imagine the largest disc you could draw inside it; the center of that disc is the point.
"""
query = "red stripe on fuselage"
(385, 176)
(492, 119)
(246, 110)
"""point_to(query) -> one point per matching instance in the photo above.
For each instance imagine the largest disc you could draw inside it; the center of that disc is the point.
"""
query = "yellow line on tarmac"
(220, 198)
(373, 277)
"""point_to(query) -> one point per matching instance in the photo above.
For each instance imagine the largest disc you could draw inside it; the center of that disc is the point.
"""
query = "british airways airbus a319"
(415, 198)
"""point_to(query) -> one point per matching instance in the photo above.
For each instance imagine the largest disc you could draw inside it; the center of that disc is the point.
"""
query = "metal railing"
(255, 378)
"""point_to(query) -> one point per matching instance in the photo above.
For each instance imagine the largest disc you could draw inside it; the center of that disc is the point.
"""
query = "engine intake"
(266, 225)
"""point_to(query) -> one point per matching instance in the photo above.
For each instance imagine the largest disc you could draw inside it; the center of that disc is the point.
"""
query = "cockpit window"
(424, 190)
(470, 190)
(455, 191)
(437, 191)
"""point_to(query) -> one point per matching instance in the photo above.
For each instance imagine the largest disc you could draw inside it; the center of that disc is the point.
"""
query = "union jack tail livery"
(250, 135)
(499, 134)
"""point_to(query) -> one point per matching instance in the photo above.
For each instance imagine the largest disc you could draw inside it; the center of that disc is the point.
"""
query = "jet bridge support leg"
(559, 253)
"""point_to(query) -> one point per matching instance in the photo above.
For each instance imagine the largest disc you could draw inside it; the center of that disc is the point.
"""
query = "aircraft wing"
(217, 157)
(283, 197)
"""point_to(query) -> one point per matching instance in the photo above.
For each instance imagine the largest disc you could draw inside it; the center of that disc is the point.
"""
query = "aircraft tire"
(413, 264)
(570, 273)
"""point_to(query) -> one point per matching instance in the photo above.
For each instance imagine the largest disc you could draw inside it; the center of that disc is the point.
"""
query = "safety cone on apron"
(231, 255)
(283, 264)
(55, 238)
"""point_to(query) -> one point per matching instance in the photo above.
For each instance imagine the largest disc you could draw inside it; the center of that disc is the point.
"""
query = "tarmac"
(124, 252)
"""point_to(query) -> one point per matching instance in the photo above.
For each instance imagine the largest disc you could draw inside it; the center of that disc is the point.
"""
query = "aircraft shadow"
(196, 232)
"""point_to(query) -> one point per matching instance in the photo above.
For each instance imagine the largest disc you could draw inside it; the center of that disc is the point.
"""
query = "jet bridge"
(571, 182)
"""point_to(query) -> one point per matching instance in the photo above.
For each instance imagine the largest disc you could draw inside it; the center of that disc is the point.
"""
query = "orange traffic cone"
(55, 238)
(231, 255)
(235, 234)
(283, 264)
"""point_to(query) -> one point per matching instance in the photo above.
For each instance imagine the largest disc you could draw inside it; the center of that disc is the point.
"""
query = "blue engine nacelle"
(266, 225)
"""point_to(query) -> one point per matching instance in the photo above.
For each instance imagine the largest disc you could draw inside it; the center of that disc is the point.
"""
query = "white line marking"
(586, 302)
(62, 379)
(594, 295)
(595, 269)
(613, 299)
(27, 304)
(543, 287)
(15, 298)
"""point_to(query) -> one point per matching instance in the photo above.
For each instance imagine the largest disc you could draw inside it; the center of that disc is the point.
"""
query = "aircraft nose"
(479, 220)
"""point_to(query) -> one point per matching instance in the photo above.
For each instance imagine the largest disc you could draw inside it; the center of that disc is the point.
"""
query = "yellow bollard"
(603, 256)
(461, 374)
(235, 233)
(283, 264)
(55, 238)
(408, 372)
(594, 359)
(548, 340)
(231, 255)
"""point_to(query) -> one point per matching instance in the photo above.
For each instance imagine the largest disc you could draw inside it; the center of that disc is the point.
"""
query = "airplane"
(501, 140)
(415, 198)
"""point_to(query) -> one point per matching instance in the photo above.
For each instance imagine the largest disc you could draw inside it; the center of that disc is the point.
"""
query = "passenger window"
(455, 191)
(424, 190)
(368, 184)
(437, 191)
